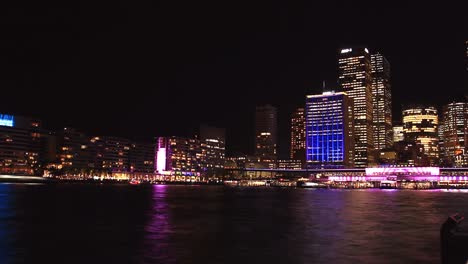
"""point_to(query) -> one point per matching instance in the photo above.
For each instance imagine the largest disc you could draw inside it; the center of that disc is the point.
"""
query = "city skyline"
(118, 80)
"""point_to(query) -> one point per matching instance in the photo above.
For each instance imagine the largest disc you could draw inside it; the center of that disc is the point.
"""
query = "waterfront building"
(20, 142)
(329, 130)
(141, 157)
(355, 78)
(290, 164)
(266, 133)
(382, 102)
(111, 154)
(420, 126)
(73, 151)
(455, 134)
(178, 156)
(213, 149)
(298, 135)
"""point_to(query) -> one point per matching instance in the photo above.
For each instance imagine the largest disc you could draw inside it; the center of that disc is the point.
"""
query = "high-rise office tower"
(329, 130)
(455, 133)
(420, 126)
(265, 132)
(298, 135)
(382, 102)
(355, 78)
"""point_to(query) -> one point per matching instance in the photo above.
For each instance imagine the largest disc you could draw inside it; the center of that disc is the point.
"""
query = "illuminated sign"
(7, 120)
(366, 50)
(346, 50)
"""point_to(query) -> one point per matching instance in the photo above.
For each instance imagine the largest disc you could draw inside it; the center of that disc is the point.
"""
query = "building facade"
(382, 102)
(455, 133)
(355, 78)
(111, 154)
(420, 126)
(178, 156)
(213, 148)
(398, 134)
(141, 157)
(329, 130)
(266, 133)
(298, 135)
(20, 142)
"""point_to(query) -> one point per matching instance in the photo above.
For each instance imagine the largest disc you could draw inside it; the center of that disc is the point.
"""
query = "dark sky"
(140, 69)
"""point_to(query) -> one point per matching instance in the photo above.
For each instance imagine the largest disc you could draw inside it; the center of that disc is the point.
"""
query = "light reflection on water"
(214, 224)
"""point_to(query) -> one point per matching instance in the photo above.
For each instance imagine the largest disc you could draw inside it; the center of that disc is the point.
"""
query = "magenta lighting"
(161, 160)
(435, 171)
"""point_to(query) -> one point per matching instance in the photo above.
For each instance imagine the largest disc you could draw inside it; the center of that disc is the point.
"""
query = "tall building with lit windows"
(455, 133)
(355, 78)
(298, 135)
(266, 133)
(420, 126)
(329, 130)
(382, 102)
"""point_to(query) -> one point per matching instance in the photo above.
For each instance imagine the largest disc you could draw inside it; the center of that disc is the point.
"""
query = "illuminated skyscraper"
(382, 102)
(298, 135)
(329, 133)
(455, 133)
(355, 79)
(420, 126)
(265, 132)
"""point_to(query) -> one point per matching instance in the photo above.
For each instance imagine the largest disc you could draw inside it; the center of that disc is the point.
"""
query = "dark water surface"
(73, 223)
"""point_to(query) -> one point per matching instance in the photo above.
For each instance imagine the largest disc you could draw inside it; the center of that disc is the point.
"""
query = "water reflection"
(6, 224)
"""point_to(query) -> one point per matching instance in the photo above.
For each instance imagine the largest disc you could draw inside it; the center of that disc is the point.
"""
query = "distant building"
(266, 133)
(382, 102)
(20, 142)
(355, 78)
(141, 157)
(213, 146)
(329, 130)
(73, 151)
(455, 133)
(290, 164)
(178, 156)
(298, 135)
(420, 126)
(111, 154)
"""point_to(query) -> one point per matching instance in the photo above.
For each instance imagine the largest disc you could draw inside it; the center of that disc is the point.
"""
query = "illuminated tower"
(455, 133)
(420, 125)
(355, 79)
(382, 102)
(265, 132)
(329, 130)
(298, 135)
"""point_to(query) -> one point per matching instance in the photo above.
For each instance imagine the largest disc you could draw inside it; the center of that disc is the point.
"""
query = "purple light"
(161, 160)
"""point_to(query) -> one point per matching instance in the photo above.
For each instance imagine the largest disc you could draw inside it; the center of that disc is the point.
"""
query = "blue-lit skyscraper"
(329, 130)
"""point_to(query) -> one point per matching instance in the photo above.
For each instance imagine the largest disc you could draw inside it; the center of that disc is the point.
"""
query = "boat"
(134, 182)
(309, 184)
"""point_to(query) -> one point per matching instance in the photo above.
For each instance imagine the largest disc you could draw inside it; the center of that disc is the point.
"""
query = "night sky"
(141, 69)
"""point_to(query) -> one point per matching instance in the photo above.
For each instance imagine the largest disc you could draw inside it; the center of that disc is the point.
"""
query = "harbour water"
(85, 223)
